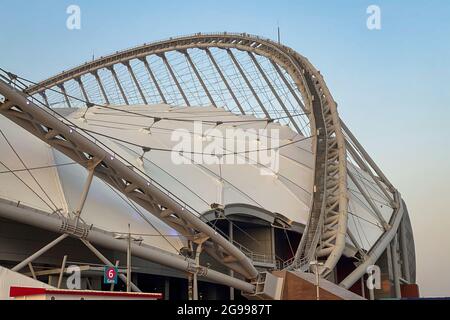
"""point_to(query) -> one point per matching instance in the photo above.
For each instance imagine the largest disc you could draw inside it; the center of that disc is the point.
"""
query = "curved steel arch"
(323, 240)
(326, 231)
(98, 159)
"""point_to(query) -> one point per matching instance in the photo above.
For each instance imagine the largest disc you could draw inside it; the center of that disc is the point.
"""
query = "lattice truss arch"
(118, 79)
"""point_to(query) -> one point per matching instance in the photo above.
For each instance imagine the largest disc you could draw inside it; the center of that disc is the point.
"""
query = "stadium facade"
(88, 169)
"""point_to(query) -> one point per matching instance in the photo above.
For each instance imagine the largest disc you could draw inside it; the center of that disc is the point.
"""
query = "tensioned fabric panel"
(286, 191)
(39, 188)
(62, 182)
(109, 210)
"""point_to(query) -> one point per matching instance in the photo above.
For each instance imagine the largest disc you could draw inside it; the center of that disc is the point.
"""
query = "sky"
(392, 85)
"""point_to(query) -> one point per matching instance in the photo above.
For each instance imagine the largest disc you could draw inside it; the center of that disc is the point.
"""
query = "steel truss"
(326, 232)
(88, 234)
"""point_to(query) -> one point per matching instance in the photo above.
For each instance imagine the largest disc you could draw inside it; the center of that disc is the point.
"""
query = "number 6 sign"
(110, 275)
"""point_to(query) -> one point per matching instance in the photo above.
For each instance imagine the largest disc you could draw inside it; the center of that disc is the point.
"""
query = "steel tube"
(39, 253)
(197, 74)
(136, 82)
(122, 171)
(103, 259)
(366, 168)
(274, 92)
(249, 85)
(19, 213)
(289, 86)
(83, 90)
(102, 88)
(155, 81)
(296, 65)
(116, 79)
(378, 249)
(61, 274)
(222, 76)
(369, 200)
(367, 157)
(63, 90)
(174, 78)
(405, 255)
(44, 96)
(395, 267)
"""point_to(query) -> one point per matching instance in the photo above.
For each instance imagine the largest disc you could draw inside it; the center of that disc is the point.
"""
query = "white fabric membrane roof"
(55, 182)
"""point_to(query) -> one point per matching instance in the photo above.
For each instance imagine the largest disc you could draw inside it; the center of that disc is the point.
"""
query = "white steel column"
(61, 273)
(369, 200)
(87, 186)
(129, 260)
(155, 81)
(116, 79)
(174, 78)
(83, 90)
(366, 168)
(198, 251)
(112, 284)
(102, 88)
(202, 83)
(39, 253)
(249, 85)
(367, 157)
(138, 86)
(108, 263)
(222, 76)
(231, 237)
(63, 90)
(289, 86)
(405, 255)
(33, 274)
(396, 267)
(378, 249)
(44, 96)
(274, 92)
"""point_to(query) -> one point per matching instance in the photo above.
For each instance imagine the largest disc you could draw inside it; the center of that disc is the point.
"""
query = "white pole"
(231, 236)
(198, 252)
(317, 281)
(108, 263)
(36, 255)
(129, 261)
(112, 284)
(61, 274)
(371, 293)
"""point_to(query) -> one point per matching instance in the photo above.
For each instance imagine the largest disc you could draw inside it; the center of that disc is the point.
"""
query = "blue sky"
(392, 85)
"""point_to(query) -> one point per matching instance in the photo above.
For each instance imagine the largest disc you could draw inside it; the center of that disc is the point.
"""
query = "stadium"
(89, 179)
